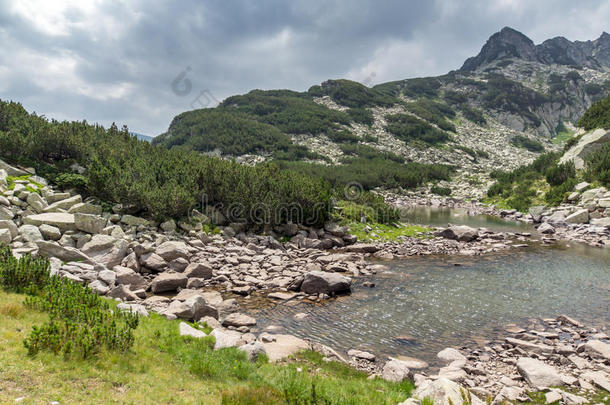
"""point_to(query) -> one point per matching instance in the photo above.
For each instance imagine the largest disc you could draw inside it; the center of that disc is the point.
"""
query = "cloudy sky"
(140, 63)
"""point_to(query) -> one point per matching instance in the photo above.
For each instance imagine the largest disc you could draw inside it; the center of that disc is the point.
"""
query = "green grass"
(12, 181)
(387, 233)
(171, 369)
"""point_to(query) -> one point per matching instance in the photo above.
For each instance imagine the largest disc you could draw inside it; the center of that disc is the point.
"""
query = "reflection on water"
(441, 216)
(424, 304)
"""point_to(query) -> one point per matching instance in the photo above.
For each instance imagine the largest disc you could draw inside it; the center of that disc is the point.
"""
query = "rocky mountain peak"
(510, 43)
(507, 43)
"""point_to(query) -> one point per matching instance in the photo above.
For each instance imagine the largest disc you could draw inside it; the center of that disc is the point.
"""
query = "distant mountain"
(141, 137)
(510, 43)
(499, 111)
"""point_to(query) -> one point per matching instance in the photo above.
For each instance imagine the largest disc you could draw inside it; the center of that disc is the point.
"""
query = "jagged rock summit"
(510, 43)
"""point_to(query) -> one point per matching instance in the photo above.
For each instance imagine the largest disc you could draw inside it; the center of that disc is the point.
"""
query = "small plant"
(443, 191)
(22, 275)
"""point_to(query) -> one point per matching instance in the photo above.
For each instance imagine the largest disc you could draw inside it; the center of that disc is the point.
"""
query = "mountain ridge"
(509, 42)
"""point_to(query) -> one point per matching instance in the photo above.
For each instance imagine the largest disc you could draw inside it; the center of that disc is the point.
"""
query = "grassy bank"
(171, 369)
(374, 232)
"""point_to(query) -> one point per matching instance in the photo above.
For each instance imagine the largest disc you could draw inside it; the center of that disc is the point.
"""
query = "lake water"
(424, 304)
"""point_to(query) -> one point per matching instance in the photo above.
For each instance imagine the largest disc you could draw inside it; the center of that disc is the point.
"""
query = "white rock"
(187, 330)
(537, 373)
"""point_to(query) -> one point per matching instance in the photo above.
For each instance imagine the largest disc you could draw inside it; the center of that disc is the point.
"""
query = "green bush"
(80, 322)
(159, 183)
(527, 143)
(597, 116)
(597, 166)
(71, 180)
(560, 173)
(25, 274)
(409, 128)
(352, 94)
(434, 112)
(443, 191)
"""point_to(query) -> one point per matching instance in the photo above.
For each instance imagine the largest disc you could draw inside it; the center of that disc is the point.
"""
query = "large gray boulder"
(6, 214)
(445, 392)
(597, 349)
(37, 202)
(395, 371)
(106, 250)
(536, 212)
(5, 236)
(86, 208)
(12, 228)
(11, 170)
(61, 220)
(590, 142)
(198, 270)
(89, 223)
(193, 309)
(237, 319)
(65, 204)
(64, 253)
(172, 250)
(30, 233)
(578, 217)
(317, 282)
(50, 232)
(127, 276)
(130, 220)
(537, 373)
(168, 282)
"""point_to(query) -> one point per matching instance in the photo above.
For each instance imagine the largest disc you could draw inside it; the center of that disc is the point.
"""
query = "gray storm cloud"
(107, 61)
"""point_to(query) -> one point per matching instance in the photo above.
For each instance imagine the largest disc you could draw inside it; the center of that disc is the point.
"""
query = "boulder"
(30, 233)
(168, 226)
(99, 287)
(37, 202)
(123, 293)
(578, 217)
(50, 232)
(130, 220)
(604, 203)
(237, 319)
(546, 228)
(362, 248)
(461, 233)
(449, 355)
(445, 392)
(127, 276)
(537, 373)
(106, 250)
(6, 214)
(198, 270)
(317, 282)
(64, 205)
(172, 250)
(395, 371)
(538, 348)
(284, 346)
(153, 261)
(168, 282)
(536, 213)
(11, 170)
(54, 197)
(226, 338)
(61, 220)
(597, 349)
(187, 330)
(107, 276)
(89, 223)
(253, 350)
(12, 228)
(359, 354)
(86, 208)
(597, 221)
(5, 236)
(64, 253)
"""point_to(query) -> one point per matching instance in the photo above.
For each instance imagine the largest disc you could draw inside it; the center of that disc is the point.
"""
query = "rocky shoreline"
(181, 272)
(584, 219)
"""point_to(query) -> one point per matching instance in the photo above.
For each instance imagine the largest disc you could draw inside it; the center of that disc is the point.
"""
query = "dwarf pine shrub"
(80, 322)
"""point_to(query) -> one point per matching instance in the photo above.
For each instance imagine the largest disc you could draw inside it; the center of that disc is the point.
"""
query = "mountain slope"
(501, 109)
